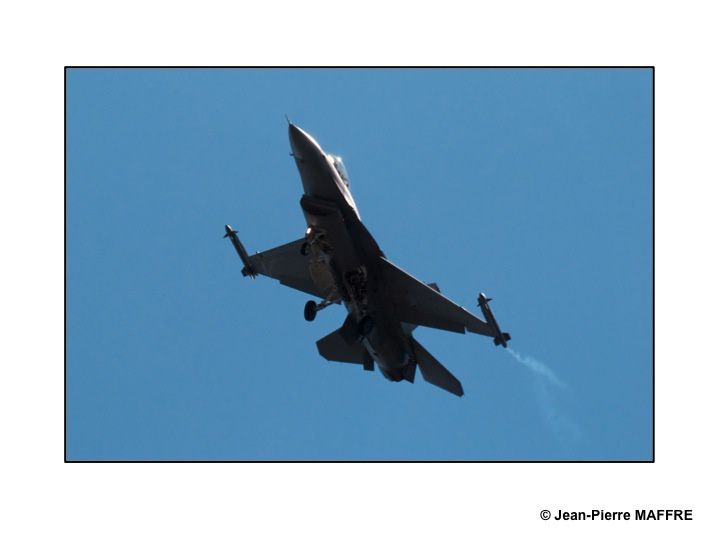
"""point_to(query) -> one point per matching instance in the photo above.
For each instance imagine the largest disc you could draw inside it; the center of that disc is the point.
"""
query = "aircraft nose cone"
(303, 145)
(293, 131)
(296, 139)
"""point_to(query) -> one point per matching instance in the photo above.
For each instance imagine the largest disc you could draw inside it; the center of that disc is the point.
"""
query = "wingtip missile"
(248, 269)
(500, 337)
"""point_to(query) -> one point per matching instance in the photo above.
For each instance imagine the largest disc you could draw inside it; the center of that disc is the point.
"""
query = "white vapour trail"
(538, 367)
(560, 423)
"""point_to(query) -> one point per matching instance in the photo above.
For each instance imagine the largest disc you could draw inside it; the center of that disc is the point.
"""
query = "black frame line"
(65, 73)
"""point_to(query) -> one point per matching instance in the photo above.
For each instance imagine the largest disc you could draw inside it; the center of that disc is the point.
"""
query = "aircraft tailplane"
(336, 347)
(434, 372)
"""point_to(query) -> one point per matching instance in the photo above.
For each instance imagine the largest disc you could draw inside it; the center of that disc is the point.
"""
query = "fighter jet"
(338, 261)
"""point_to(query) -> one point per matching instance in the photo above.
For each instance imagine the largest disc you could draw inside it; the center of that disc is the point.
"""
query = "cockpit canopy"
(340, 168)
(342, 173)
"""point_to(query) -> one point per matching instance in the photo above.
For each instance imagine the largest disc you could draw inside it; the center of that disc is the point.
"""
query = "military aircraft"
(338, 261)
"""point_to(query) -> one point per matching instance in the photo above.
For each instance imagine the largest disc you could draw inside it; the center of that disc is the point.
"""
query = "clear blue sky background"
(532, 185)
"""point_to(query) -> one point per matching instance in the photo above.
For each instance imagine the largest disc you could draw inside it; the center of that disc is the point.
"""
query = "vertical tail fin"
(409, 372)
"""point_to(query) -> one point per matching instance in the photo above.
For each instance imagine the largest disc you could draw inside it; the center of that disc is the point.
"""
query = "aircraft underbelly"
(386, 349)
(318, 180)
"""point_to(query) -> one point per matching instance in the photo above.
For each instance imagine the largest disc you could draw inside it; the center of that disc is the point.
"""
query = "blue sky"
(534, 186)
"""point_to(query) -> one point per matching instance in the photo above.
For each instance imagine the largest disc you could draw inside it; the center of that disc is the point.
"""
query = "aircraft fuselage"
(344, 258)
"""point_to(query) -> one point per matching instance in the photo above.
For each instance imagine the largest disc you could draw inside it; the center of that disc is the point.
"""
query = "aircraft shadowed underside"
(338, 261)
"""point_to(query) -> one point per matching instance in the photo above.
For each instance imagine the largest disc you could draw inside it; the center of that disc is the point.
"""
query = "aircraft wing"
(286, 264)
(417, 303)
